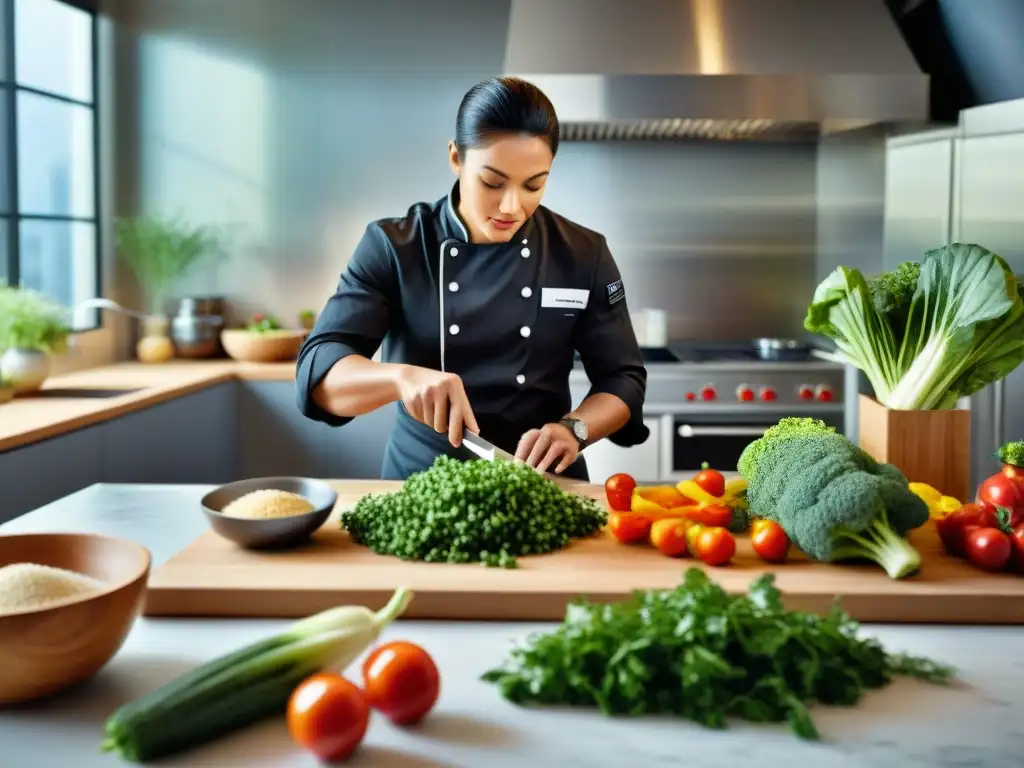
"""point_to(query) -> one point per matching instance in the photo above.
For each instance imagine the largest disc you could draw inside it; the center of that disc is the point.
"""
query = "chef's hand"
(540, 448)
(438, 400)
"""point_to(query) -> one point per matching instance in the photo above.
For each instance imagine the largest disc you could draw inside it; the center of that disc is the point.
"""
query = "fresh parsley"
(698, 652)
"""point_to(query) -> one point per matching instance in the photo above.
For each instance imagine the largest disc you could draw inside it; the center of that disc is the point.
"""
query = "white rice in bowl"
(268, 504)
(30, 586)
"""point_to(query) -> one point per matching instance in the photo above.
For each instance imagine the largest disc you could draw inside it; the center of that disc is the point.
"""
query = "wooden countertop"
(31, 418)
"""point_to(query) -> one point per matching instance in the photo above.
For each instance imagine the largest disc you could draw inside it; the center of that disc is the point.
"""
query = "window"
(49, 190)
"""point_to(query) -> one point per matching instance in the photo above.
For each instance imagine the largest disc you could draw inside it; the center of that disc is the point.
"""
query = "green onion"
(245, 686)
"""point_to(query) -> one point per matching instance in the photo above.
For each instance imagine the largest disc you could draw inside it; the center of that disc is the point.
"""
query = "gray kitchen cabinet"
(48, 470)
(356, 451)
(190, 439)
(274, 438)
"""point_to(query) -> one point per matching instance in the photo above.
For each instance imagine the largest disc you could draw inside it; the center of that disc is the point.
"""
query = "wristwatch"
(578, 429)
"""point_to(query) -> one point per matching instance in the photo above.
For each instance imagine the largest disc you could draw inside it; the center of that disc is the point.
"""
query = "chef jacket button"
(520, 379)
(453, 330)
(527, 293)
(454, 251)
(525, 253)
(525, 242)
(524, 331)
(453, 286)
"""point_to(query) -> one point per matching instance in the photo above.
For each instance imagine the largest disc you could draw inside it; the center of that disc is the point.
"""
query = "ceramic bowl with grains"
(269, 512)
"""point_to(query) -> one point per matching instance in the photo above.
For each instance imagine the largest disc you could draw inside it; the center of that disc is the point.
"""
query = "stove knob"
(708, 393)
(824, 394)
(768, 394)
(691, 396)
(744, 393)
(806, 393)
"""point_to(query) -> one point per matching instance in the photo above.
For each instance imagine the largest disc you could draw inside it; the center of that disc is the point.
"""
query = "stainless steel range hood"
(716, 69)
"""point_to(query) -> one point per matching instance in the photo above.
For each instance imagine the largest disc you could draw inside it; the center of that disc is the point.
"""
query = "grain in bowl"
(31, 586)
(268, 504)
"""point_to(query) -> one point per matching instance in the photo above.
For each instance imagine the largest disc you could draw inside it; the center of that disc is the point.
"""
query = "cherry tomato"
(759, 523)
(328, 715)
(715, 546)
(770, 542)
(629, 527)
(988, 548)
(619, 491)
(714, 515)
(1014, 472)
(953, 528)
(669, 536)
(401, 682)
(1002, 491)
(710, 480)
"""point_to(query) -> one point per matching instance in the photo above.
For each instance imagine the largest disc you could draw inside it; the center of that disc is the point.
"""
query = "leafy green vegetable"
(700, 653)
(473, 511)
(833, 500)
(927, 334)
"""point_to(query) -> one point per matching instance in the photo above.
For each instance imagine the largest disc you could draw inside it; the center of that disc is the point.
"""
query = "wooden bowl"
(274, 533)
(262, 346)
(47, 650)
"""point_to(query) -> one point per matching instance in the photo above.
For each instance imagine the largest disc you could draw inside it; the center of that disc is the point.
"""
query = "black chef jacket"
(505, 317)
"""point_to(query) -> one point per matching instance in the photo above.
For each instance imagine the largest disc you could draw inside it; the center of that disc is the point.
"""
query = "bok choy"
(926, 334)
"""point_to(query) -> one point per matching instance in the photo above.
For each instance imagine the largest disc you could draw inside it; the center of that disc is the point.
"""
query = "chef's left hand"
(540, 448)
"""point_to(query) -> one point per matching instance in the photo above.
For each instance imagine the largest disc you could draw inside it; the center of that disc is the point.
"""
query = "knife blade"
(484, 448)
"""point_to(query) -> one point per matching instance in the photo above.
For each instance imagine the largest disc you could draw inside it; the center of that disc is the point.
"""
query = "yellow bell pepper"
(939, 505)
(733, 489)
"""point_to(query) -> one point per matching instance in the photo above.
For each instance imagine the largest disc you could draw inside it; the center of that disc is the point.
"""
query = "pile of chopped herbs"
(697, 652)
(473, 511)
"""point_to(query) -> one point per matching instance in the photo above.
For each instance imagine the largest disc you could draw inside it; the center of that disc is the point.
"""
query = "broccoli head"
(834, 501)
(1012, 453)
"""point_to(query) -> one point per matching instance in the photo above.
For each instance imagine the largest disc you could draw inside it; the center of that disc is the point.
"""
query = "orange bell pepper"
(629, 528)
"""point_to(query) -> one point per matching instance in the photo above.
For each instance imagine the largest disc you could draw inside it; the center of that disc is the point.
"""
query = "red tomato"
(770, 542)
(715, 546)
(328, 715)
(710, 480)
(401, 682)
(988, 548)
(1002, 491)
(619, 490)
(629, 527)
(1017, 539)
(953, 528)
(1013, 471)
(669, 536)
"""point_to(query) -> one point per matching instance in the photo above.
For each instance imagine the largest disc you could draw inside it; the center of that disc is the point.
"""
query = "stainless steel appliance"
(772, 70)
(195, 329)
(713, 401)
(964, 185)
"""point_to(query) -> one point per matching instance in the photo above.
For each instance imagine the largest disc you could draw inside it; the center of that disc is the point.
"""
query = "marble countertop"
(976, 723)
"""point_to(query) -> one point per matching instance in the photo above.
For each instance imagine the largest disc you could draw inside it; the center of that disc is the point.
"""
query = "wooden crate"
(931, 447)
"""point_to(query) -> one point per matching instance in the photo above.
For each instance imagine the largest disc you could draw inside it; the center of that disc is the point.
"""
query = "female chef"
(480, 300)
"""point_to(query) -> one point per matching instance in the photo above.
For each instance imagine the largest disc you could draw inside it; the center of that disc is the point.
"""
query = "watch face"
(580, 429)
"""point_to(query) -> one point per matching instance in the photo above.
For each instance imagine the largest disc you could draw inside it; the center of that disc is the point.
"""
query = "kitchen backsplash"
(296, 138)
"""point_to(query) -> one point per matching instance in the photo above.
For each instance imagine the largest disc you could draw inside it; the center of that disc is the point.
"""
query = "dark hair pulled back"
(504, 105)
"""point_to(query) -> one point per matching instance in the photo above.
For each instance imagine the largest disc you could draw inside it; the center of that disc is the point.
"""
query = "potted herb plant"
(161, 251)
(307, 319)
(32, 327)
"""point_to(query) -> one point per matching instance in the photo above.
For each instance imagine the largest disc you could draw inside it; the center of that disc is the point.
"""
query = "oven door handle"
(686, 430)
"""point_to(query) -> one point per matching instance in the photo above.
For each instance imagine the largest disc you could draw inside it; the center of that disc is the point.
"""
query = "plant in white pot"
(32, 327)
(160, 251)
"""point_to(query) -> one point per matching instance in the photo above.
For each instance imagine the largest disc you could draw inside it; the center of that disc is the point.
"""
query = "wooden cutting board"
(213, 577)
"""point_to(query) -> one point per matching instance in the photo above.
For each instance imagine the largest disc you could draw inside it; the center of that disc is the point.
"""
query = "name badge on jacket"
(564, 298)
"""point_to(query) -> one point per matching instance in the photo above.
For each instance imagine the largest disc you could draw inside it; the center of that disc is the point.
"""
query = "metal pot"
(195, 330)
(781, 349)
(201, 305)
